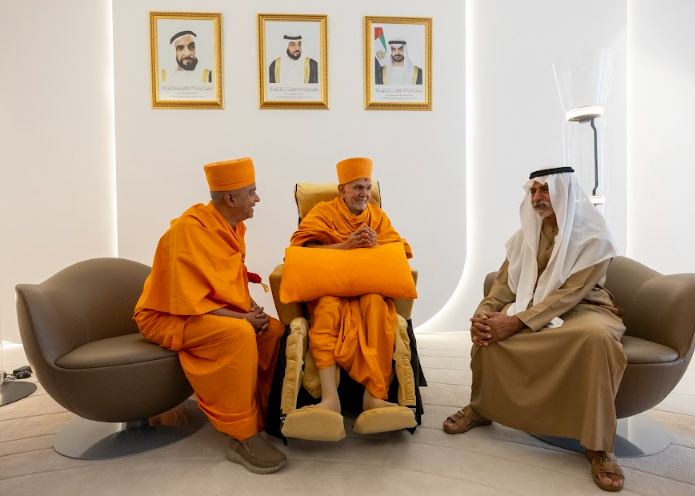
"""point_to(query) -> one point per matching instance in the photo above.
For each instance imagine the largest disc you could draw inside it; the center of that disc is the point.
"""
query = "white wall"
(55, 134)
(515, 120)
(661, 152)
(418, 156)
(55, 142)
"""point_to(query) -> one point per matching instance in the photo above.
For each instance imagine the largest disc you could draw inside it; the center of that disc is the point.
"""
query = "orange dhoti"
(229, 367)
(357, 334)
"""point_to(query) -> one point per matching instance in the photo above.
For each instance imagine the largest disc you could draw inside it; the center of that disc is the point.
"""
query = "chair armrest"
(662, 311)
(404, 306)
(287, 312)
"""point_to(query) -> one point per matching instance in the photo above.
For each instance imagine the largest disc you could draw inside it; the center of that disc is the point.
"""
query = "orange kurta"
(199, 267)
(356, 333)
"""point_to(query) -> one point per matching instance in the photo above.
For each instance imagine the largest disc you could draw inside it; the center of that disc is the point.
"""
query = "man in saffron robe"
(357, 334)
(547, 356)
(196, 302)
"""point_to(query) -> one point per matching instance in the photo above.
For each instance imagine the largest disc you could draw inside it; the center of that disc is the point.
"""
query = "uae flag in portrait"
(379, 45)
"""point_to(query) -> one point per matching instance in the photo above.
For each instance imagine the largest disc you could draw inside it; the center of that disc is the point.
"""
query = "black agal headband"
(547, 172)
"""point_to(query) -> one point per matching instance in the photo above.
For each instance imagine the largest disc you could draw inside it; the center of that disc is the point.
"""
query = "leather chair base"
(13, 391)
(636, 436)
(89, 440)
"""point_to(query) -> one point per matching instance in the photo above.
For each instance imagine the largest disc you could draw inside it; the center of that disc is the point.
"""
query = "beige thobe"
(554, 381)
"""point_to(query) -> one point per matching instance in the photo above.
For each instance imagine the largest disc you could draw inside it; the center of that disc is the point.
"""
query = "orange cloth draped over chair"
(199, 267)
(356, 333)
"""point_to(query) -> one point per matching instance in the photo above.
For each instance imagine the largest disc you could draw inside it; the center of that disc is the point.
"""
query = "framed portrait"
(186, 60)
(398, 63)
(293, 61)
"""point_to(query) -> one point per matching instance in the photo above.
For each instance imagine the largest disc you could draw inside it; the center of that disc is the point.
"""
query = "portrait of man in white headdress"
(398, 63)
(292, 67)
(185, 68)
(292, 60)
(186, 60)
(395, 66)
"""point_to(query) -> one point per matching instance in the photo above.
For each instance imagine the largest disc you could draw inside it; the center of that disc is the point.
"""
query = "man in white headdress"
(291, 67)
(398, 69)
(187, 70)
(547, 356)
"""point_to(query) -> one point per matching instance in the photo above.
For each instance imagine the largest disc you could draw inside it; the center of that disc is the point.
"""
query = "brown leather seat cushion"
(119, 350)
(642, 351)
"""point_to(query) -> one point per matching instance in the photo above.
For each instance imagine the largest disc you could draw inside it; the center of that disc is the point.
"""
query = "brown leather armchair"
(79, 336)
(659, 315)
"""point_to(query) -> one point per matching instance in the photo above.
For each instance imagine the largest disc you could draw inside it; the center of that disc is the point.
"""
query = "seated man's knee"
(326, 303)
(371, 299)
(326, 314)
(595, 334)
(239, 332)
(245, 327)
(275, 329)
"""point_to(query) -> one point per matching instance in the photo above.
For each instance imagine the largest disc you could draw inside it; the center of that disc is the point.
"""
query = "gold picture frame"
(186, 60)
(397, 63)
(293, 61)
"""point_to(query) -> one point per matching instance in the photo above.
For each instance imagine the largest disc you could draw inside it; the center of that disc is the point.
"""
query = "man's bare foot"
(330, 403)
(369, 402)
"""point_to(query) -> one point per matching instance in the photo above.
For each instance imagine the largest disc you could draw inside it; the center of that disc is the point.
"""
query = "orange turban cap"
(354, 168)
(230, 174)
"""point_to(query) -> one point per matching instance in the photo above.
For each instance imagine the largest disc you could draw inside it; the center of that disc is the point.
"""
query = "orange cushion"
(313, 272)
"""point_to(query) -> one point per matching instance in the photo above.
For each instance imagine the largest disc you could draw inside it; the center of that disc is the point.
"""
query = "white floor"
(487, 461)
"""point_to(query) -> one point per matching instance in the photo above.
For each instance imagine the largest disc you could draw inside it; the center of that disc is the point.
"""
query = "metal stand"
(88, 440)
(593, 127)
(636, 436)
(11, 391)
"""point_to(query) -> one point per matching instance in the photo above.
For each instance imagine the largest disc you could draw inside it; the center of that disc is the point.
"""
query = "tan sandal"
(604, 463)
(463, 421)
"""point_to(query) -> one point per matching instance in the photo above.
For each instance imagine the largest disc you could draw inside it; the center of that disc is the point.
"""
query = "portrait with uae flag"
(398, 67)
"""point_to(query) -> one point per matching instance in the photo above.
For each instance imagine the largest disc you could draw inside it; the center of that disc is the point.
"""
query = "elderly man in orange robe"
(196, 302)
(357, 334)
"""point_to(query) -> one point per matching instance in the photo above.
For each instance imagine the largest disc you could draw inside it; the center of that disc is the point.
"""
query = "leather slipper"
(256, 454)
(463, 421)
(605, 463)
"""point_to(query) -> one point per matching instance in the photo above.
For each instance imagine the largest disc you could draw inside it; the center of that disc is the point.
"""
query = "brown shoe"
(604, 463)
(463, 420)
(256, 454)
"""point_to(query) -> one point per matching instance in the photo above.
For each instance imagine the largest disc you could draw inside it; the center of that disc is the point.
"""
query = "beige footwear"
(256, 454)
(314, 424)
(384, 419)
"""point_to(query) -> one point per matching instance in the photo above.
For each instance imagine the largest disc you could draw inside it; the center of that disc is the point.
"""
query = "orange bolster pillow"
(310, 273)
